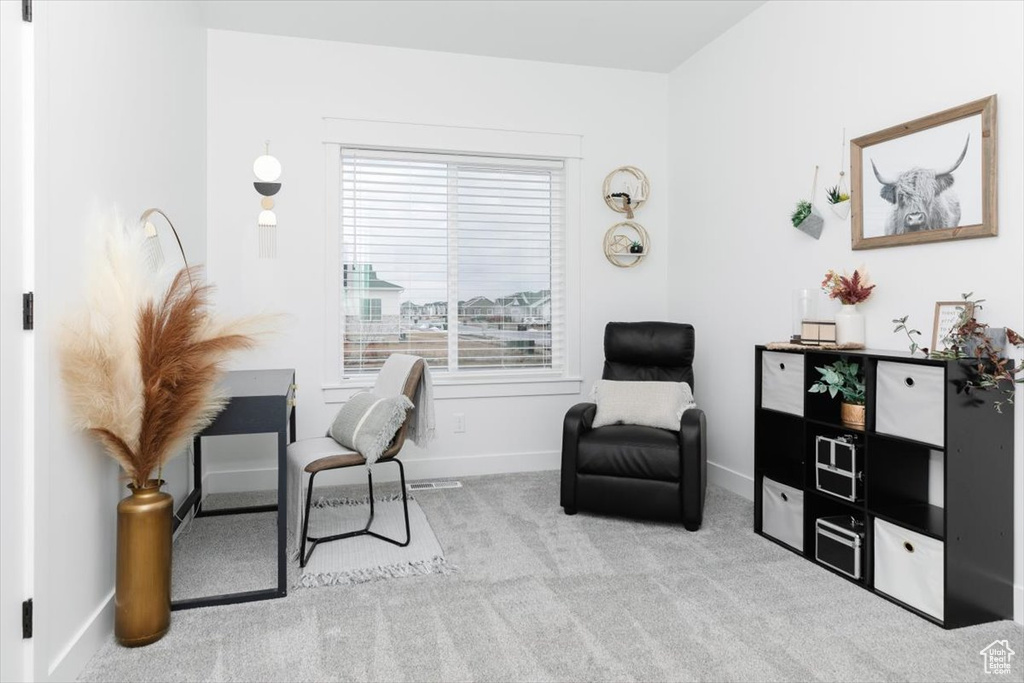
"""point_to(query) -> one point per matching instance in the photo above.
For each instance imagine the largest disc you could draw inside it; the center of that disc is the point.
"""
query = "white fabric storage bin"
(782, 513)
(782, 382)
(909, 567)
(910, 401)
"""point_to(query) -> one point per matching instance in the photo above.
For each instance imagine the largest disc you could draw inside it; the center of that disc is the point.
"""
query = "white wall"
(266, 87)
(120, 120)
(751, 115)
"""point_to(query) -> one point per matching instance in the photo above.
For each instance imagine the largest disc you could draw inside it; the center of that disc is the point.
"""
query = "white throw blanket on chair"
(391, 381)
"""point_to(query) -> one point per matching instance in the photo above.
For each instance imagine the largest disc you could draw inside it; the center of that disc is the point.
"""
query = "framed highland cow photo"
(929, 180)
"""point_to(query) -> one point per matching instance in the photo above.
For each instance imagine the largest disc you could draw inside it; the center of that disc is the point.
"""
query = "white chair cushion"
(300, 454)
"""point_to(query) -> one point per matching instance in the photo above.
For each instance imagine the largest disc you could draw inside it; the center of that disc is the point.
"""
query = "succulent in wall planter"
(807, 219)
(839, 200)
(636, 248)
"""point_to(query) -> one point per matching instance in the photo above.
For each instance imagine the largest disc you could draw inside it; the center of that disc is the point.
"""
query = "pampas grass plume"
(141, 370)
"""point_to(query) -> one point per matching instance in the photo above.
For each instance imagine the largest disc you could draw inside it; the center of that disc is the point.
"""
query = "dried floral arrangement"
(849, 289)
(970, 339)
(141, 369)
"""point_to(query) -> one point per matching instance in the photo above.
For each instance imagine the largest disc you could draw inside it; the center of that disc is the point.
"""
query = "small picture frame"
(947, 315)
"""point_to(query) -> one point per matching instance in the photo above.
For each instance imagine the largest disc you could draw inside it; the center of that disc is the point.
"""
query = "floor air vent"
(429, 485)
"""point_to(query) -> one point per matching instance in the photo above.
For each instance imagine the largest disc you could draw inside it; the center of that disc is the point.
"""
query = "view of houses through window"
(450, 258)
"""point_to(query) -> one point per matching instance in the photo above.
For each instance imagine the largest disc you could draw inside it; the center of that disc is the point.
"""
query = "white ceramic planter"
(842, 209)
(850, 327)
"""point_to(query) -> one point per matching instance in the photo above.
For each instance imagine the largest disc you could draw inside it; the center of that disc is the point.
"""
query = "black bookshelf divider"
(958, 493)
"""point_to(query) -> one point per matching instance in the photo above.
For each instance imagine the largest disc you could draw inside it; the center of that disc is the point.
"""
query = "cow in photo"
(921, 198)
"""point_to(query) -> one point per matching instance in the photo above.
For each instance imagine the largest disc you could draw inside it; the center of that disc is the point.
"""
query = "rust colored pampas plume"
(141, 372)
(181, 349)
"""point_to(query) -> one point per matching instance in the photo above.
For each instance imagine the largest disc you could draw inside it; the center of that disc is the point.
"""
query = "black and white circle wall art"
(267, 170)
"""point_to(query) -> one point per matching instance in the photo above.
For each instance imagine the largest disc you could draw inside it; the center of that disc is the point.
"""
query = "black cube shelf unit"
(937, 468)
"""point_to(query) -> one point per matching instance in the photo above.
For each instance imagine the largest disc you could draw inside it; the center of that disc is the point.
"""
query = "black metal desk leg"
(282, 512)
(197, 471)
(291, 426)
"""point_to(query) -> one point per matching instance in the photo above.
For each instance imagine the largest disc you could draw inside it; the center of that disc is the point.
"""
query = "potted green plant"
(843, 377)
(636, 247)
(982, 348)
(839, 199)
(806, 218)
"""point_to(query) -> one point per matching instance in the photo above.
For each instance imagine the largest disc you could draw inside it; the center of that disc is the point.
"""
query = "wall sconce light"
(154, 250)
(267, 170)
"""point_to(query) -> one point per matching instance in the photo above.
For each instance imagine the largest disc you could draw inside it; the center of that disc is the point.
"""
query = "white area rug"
(365, 558)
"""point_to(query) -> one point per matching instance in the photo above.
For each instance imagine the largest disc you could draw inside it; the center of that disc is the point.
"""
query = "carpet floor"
(541, 596)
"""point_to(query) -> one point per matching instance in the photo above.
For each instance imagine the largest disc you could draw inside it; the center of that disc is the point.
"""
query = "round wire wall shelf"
(619, 241)
(626, 189)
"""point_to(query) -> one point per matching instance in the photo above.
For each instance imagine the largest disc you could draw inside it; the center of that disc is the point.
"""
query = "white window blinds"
(458, 259)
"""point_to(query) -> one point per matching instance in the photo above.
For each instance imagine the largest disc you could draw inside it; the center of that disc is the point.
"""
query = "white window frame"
(383, 135)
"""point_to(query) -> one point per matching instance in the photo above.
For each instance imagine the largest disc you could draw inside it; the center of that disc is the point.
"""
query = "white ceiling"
(644, 35)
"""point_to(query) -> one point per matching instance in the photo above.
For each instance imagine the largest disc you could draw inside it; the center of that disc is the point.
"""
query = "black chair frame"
(365, 531)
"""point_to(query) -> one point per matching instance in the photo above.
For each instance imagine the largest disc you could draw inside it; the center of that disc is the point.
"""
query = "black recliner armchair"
(632, 470)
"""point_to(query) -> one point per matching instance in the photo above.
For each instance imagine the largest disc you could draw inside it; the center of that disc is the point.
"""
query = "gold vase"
(852, 415)
(142, 602)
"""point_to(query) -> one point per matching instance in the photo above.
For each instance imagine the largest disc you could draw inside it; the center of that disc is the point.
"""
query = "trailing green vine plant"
(970, 339)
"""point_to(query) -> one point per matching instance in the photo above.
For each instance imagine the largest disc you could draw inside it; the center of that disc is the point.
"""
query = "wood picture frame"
(947, 315)
(912, 201)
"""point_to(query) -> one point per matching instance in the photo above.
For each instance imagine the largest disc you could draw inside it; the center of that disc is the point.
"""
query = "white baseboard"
(434, 468)
(86, 642)
(731, 480)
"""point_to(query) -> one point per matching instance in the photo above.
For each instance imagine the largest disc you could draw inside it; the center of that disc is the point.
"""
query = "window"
(458, 259)
(371, 310)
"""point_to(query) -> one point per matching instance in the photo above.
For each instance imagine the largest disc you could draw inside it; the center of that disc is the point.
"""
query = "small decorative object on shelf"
(805, 217)
(626, 244)
(838, 465)
(846, 378)
(968, 339)
(267, 170)
(850, 291)
(817, 332)
(626, 189)
(839, 194)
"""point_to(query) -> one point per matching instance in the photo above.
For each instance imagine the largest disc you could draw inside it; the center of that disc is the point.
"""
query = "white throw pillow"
(651, 404)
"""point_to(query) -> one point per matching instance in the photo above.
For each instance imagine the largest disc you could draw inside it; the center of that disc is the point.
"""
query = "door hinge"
(28, 311)
(26, 10)
(26, 619)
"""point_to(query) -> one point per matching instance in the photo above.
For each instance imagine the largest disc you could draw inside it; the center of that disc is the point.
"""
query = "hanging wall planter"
(839, 194)
(839, 200)
(805, 217)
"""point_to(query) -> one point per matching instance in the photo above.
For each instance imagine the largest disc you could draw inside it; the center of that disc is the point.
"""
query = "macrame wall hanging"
(839, 194)
(267, 170)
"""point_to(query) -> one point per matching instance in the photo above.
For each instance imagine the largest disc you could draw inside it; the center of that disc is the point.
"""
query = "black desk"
(260, 402)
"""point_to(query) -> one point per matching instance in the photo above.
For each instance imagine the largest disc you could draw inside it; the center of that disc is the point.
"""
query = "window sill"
(450, 388)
